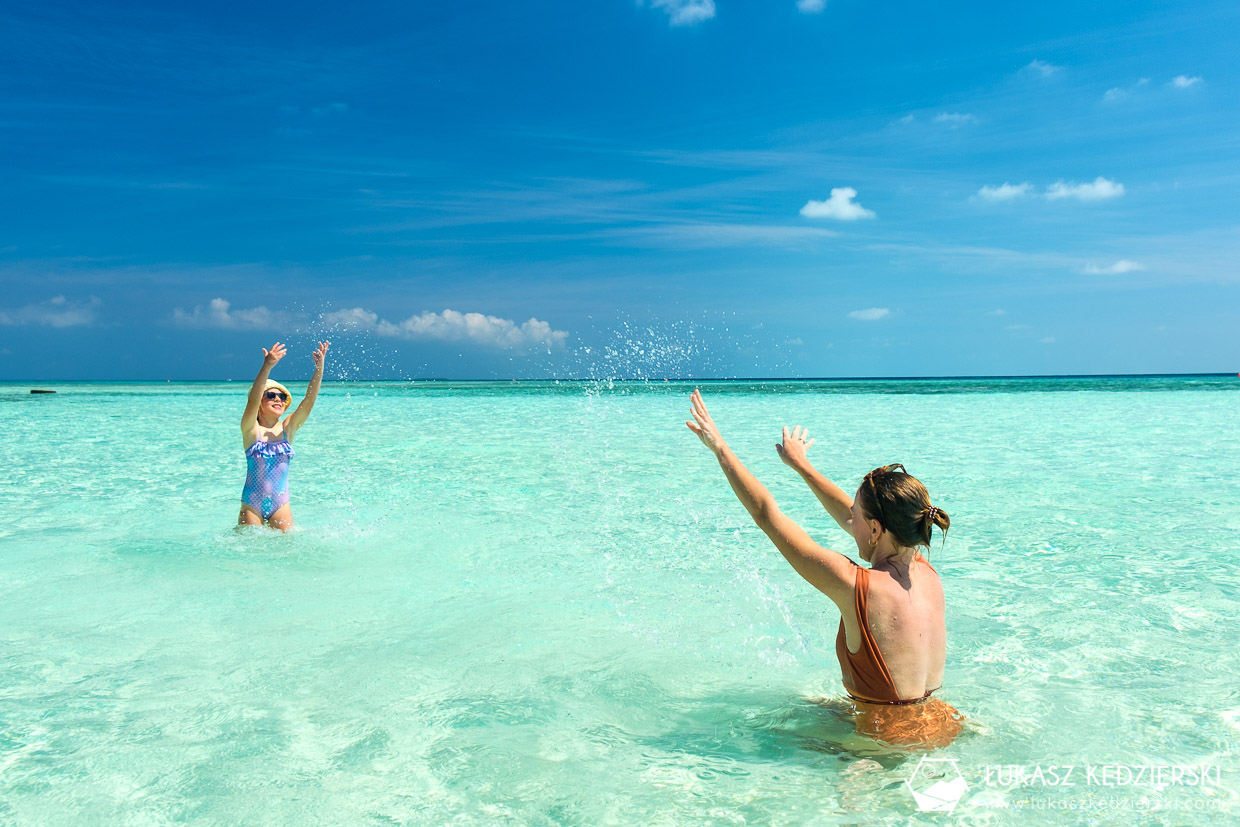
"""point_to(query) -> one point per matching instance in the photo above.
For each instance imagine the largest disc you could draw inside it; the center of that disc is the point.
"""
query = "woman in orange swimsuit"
(892, 640)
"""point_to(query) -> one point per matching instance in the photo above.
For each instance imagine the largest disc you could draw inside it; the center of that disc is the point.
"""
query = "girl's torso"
(266, 478)
(273, 435)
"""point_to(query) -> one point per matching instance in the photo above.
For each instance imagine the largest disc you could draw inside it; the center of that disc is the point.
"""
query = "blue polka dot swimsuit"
(266, 476)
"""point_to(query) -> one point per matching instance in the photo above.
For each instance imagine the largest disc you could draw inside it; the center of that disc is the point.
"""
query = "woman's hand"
(270, 357)
(320, 354)
(704, 426)
(795, 444)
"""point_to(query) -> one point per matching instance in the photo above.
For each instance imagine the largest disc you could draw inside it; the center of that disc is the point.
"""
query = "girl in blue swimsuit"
(264, 499)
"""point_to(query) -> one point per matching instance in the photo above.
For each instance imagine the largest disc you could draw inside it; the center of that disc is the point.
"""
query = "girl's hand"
(703, 426)
(320, 353)
(270, 357)
(794, 446)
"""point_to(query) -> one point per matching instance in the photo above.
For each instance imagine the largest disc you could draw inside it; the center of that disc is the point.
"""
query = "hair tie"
(931, 513)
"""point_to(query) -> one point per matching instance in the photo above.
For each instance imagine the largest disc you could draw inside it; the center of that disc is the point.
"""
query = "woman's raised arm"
(833, 498)
(828, 571)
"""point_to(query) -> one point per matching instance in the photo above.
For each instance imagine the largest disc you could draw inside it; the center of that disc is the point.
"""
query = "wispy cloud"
(1170, 260)
(1004, 192)
(122, 182)
(839, 206)
(1098, 190)
(811, 6)
(686, 12)
(354, 318)
(452, 326)
(1185, 81)
(1041, 68)
(55, 312)
(722, 235)
(871, 314)
(1122, 266)
(219, 314)
(1118, 93)
(999, 312)
(954, 119)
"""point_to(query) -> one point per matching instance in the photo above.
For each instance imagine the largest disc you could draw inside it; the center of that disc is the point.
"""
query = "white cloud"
(840, 206)
(872, 314)
(1185, 81)
(954, 119)
(999, 312)
(55, 312)
(1004, 192)
(1119, 93)
(353, 319)
(1098, 190)
(453, 326)
(219, 314)
(797, 342)
(686, 12)
(811, 6)
(1121, 266)
(725, 235)
(1047, 340)
(1041, 68)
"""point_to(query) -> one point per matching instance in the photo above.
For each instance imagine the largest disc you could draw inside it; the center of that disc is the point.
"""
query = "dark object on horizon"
(36, 390)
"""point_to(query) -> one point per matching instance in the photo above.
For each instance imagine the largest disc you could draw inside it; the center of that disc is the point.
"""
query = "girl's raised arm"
(312, 392)
(255, 399)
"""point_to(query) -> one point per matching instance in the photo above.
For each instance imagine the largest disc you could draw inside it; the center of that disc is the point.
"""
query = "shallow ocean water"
(539, 603)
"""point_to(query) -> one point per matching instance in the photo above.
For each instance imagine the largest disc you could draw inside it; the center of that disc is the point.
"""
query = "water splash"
(656, 350)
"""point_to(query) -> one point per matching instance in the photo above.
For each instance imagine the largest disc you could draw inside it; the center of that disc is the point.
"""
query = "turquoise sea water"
(537, 603)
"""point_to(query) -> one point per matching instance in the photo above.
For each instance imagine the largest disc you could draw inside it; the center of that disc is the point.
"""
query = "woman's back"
(902, 659)
(904, 655)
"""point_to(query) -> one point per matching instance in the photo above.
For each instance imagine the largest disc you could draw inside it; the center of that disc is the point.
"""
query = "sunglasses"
(281, 395)
(886, 469)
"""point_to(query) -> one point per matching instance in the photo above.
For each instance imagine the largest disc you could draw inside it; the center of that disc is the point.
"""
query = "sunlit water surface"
(541, 604)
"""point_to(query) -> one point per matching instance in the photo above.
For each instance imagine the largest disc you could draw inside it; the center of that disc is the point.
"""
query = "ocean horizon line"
(668, 379)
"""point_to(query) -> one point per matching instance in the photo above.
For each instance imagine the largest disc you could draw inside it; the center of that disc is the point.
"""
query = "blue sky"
(667, 187)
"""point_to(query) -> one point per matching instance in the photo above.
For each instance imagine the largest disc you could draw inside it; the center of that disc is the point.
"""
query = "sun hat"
(271, 383)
